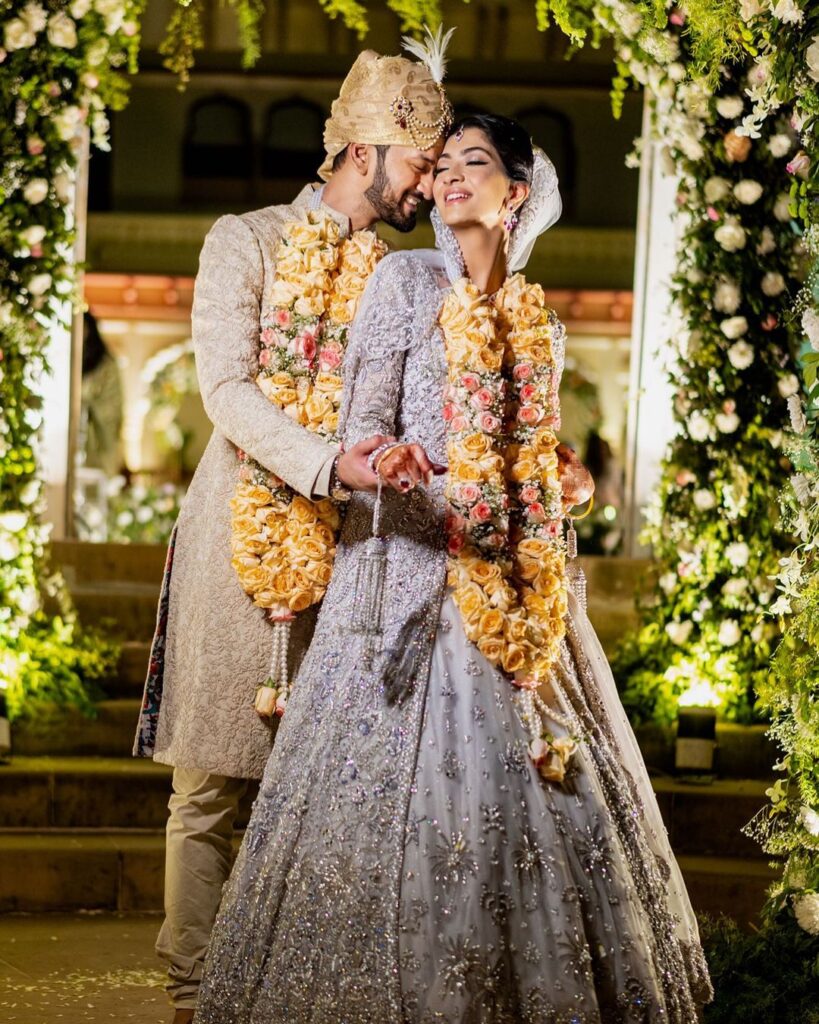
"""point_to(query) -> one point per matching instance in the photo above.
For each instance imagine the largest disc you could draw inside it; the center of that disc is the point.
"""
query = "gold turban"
(386, 101)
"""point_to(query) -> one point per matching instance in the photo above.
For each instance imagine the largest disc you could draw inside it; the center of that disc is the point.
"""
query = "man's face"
(402, 179)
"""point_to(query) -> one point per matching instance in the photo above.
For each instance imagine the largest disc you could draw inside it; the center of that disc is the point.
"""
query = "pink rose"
(495, 540)
(769, 323)
(552, 528)
(480, 513)
(489, 423)
(729, 405)
(35, 145)
(282, 318)
(36, 251)
(459, 423)
(264, 357)
(530, 414)
(685, 477)
(677, 18)
(522, 371)
(268, 336)
(281, 703)
(455, 543)
(449, 411)
(329, 357)
(470, 381)
(527, 392)
(482, 399)
(712, 213)
(536, 512)
(306, 346)
(454, 523)
(245, 473)
(799, 165)
(529, 494)
(469, 493)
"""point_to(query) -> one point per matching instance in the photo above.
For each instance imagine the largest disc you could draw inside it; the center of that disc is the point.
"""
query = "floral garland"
(283, 544)
(507, 560)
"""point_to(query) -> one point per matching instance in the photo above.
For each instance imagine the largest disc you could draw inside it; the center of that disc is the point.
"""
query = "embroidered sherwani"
(405, 862)
(212, 646)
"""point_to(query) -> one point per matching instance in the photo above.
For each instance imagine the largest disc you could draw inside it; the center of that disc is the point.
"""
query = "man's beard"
(383, 200)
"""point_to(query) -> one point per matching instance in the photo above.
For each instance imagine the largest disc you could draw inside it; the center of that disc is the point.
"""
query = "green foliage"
(762, 976)
(183, 37)
(62, 68)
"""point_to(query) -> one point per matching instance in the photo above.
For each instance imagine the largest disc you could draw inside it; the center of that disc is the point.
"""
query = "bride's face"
(471, 186)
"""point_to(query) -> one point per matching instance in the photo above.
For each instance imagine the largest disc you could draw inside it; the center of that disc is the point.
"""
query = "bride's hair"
(510, 140)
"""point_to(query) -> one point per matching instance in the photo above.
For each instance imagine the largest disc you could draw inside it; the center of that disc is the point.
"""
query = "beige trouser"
(198, 858)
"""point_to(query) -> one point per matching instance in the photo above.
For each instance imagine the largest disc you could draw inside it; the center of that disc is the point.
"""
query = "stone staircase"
(81, 822)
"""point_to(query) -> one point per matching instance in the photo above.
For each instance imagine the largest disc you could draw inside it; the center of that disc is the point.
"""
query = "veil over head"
(541, 210)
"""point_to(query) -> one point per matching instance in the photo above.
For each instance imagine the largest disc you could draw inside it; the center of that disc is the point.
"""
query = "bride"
(455, 823)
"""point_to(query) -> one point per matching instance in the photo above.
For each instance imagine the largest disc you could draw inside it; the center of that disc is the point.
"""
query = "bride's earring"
(510, 221)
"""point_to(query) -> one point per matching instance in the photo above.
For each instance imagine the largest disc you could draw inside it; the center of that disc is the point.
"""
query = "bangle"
(375, 457)
(576, 519)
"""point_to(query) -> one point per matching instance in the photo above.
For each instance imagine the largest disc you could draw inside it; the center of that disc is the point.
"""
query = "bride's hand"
(405, 466)
(575, 479)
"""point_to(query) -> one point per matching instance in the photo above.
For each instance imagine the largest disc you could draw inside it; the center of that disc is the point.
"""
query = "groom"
(212, 645)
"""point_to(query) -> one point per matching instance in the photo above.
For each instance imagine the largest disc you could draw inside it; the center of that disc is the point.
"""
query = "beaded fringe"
(370, 578)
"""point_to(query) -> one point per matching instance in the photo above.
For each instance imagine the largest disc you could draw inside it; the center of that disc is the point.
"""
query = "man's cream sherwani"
(198, 707)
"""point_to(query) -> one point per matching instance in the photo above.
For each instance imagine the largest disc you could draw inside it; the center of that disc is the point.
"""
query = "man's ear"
(360, 155)
(518, 194)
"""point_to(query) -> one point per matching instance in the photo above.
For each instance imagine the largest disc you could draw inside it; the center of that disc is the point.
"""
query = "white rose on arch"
(806, 909)
(730, 107)
(699, 429)
(810, 325)
(730, 235)
(779, 145)
(67, 121)
(727, 295)
(62, 31)
(704, 499)
(747, 191)
(34, 15)
(35, 191)
(729, 633)
(39, 284)
(749, 9)
(17, 35)
(727, 422)
(80, 8)
(715, 189)
(679, 632)
(33, 235)
(734, 327)
(63, 186)
(767, 243)
(812, 59)
(740, 355)
(781, 209)
(788, 385)
(738, 554)
(772, 284)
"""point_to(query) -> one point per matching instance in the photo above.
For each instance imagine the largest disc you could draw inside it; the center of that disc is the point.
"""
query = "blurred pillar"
(650, 422)
(62, 387)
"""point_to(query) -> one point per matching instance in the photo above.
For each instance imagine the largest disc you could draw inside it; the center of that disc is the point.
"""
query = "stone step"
(120, 793)
(66, 732)
(125, 610)
(133, 666)
(743, 751)
(83, 562)
(111, 870)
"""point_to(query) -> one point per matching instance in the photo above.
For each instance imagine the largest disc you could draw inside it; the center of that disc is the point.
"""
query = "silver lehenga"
(405, 863)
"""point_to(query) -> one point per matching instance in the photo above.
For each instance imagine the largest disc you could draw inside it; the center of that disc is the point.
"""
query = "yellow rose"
(513, 658)
(491, 622)
(476, 444)
(330, 423)
(482, 572)
(470, 602)
(321, 531)
(523, 468)
(311, 547)
(491, 647)
(341, 309)
(299, 600)
(328, 382)
(302, 510)
(282, 293)
(489, 359)
(322, 573)
(535, 547)
(302, 235)
(317, 406)
(464, 472)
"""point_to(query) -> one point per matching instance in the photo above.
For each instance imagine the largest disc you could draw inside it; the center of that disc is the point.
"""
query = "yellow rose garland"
(283, 545)
(507, 555)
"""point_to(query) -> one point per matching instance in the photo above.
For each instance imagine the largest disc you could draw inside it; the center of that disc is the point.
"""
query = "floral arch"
(733, 88)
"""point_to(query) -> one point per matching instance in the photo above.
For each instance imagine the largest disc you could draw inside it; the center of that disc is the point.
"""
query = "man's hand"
(575, 479)
(352, 469)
